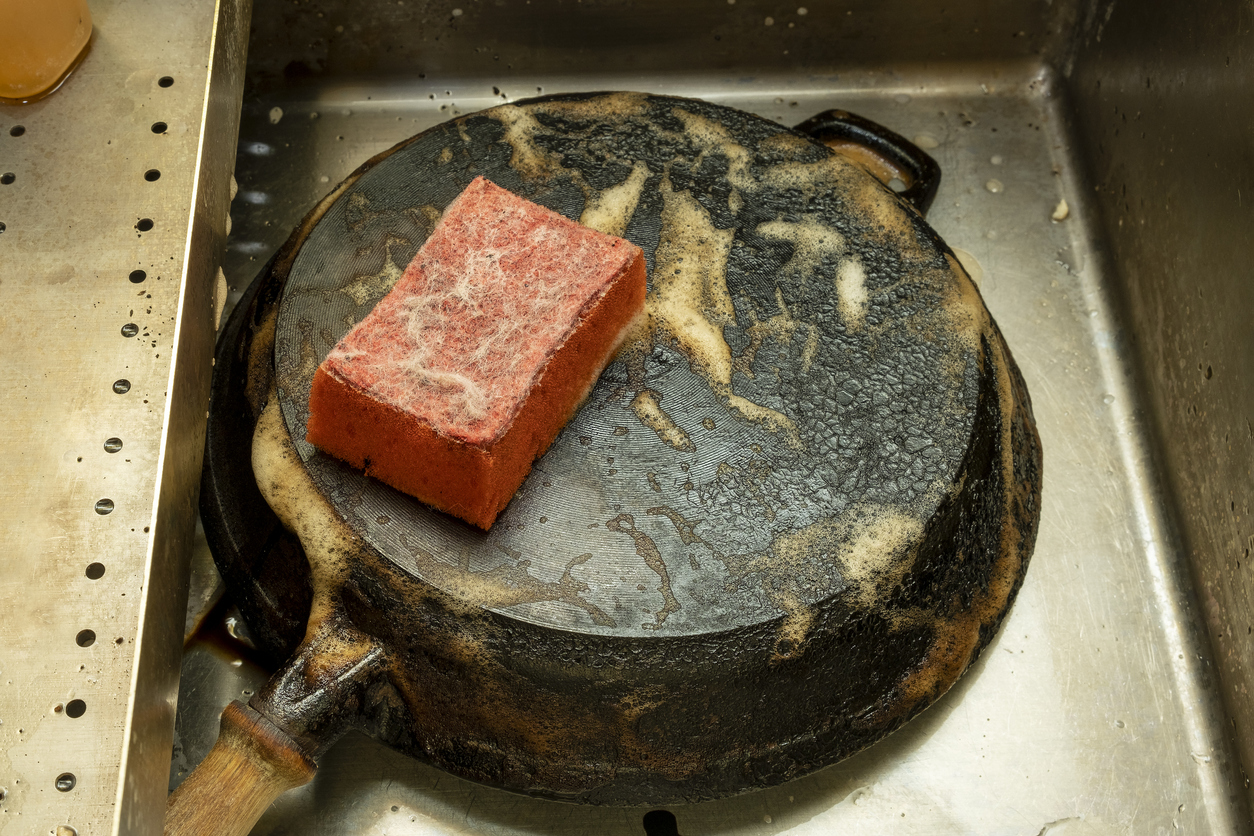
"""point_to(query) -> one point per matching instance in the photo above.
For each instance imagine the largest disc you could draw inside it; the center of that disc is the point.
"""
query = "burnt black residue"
(619, 714)
(262, 565)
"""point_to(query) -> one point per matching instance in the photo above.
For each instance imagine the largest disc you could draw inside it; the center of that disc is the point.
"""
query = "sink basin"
(1096, 185)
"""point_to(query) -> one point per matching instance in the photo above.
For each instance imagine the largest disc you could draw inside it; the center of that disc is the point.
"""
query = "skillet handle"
(252, 764)
(897, 156)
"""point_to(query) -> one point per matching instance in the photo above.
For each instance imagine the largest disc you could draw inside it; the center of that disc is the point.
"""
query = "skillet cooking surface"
(781, 433)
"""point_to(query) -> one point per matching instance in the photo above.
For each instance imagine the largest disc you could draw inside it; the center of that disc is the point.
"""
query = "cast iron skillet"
(788, 517)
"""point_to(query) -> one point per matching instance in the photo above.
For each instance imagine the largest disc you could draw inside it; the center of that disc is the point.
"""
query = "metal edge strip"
(140, 803)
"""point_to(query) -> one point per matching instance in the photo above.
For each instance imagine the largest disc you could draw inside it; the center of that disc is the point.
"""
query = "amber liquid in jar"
(41, 42)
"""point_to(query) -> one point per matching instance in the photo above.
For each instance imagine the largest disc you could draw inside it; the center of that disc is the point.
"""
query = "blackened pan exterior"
(620, 718)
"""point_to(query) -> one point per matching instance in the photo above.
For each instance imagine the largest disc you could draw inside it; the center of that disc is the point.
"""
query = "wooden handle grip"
(252, 764)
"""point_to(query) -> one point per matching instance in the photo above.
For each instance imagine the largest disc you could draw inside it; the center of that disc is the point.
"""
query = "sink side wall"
(498, 41)
(1164, 99)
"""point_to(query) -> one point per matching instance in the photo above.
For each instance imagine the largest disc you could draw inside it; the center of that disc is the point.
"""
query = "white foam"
(851, 293)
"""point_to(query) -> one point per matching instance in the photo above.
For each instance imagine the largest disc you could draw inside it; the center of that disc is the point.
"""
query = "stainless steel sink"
(1116, 698)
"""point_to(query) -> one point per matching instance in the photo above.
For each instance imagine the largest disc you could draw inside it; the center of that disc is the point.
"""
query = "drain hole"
(7, 178)
(660, 823)
(95, 571)
(112, 445)
(165, 81)
(130, 329)
(159, 127)
(104, 506)
(75, 709)
(121, 386)
(85, 638)
(138, 276)
(144, 225)
(152, 175)
(17, 130)
(66, 781)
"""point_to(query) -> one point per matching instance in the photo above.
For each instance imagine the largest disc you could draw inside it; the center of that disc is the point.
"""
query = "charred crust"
(617, 719)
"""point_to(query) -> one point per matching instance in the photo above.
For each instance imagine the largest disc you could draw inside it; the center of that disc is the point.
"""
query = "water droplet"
(112, 445)
(130, 329)
(276, 113)
(926, 141)
(996, 159)
(1073, 261)
(66, 781)
(104, 506)
(969, 263)
(1108, 398)
(994, 186)
(121, 386)
(770, 21)
(802, 10)
(1118, 724)
(902, 98)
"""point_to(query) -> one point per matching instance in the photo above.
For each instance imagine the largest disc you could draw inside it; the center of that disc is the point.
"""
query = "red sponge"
(465, 372)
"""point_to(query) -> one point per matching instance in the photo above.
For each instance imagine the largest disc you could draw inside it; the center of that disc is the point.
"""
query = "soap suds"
(330, 546)
(609, 211)
(649, 410)
(851, 293)
(814, 243)
(689, 301)
(689, 304)
(877, 557)
(782, 327)
(362, 289)
(527, 159)
(648, 551)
